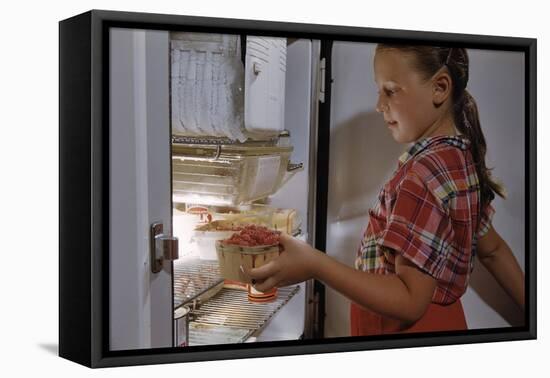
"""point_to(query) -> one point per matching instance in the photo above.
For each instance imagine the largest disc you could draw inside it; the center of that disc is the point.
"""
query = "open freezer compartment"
(227, 85)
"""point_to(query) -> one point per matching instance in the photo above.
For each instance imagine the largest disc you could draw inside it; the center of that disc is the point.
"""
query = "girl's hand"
(296, 263)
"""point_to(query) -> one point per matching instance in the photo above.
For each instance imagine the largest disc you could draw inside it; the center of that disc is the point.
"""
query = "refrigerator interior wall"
(294, 194)
(289, 321)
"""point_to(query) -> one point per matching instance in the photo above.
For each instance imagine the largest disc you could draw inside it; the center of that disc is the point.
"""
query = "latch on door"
(162, 247)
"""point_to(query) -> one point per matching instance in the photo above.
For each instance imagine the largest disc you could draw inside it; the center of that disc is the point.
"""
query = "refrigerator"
(205, 127)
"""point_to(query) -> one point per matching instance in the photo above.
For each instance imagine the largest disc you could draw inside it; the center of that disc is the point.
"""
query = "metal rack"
(208, 334)
(228, 316)
(209, 140)
(193, 277)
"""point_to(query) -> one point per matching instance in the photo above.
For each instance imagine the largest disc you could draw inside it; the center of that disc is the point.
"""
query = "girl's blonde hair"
(427, 60)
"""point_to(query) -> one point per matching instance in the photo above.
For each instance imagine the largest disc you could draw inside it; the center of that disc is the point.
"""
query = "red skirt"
(436, 318)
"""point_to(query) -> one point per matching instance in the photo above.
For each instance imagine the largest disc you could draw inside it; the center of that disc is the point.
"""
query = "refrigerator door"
(140, 303)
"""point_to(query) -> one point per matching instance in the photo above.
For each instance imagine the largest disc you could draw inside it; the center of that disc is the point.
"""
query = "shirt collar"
(420, 145)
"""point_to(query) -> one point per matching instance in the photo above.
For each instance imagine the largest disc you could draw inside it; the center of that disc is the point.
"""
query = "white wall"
(363, 156)
(294, 194)
(497, 83)
(289, 322)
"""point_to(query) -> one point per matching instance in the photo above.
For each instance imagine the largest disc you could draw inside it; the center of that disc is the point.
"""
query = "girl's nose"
(381, 106)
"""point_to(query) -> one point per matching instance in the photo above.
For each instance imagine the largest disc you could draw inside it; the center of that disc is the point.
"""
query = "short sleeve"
(418, 226)
(486, 219)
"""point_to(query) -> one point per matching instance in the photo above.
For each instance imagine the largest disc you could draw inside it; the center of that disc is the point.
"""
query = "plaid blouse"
(427, 212)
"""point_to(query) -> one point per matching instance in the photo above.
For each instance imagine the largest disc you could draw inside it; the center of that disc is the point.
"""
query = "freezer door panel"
(140, 302)
(264, 84)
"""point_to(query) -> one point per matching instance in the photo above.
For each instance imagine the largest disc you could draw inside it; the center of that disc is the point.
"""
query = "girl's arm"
(496, 256)
(404, 296)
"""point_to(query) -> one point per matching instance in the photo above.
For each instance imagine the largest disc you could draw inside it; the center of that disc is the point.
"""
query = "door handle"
(162, 247)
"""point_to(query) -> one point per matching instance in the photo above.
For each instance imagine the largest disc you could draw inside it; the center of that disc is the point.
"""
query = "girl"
(431, 217)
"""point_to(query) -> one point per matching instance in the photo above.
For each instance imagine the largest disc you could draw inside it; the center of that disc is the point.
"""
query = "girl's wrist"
(317, 262)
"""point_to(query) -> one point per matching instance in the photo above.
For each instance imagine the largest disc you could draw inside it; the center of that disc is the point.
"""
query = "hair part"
(427, 60)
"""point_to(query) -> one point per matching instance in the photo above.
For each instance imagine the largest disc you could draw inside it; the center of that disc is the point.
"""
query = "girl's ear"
(441, 89)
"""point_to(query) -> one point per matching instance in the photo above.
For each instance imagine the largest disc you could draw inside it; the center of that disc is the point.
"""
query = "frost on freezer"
(209, 83)
(206, 89)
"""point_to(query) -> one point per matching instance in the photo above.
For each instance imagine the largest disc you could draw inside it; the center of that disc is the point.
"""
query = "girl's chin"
(400, 137)
(397, 136)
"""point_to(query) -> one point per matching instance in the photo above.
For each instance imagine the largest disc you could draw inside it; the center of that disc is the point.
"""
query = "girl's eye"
(388, 92)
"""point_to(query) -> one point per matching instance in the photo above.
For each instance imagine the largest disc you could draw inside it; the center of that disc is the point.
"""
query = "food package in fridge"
(205, 236)
(228, 219)
(207, 77)
(247, 213)
(284, 220)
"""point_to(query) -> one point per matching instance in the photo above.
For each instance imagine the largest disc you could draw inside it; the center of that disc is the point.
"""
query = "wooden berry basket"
(231, 257)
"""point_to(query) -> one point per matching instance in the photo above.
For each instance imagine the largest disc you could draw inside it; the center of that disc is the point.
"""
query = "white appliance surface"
(288, 322)
(264, 94)
(140, 311)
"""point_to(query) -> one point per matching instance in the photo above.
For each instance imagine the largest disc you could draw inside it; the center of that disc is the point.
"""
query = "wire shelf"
(193, 277)
(228, 316)
(231, 309)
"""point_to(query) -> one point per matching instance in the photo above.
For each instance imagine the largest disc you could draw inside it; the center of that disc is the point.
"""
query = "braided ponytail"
(470, 126)
(466, 119)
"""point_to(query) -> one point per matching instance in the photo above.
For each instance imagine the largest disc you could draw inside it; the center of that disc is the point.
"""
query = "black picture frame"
(83, 200)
